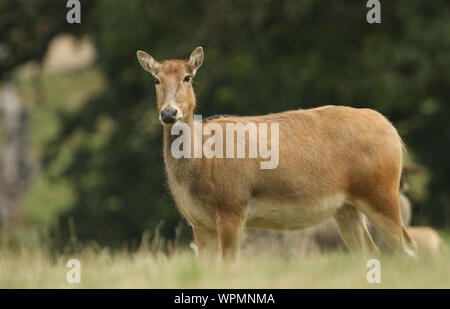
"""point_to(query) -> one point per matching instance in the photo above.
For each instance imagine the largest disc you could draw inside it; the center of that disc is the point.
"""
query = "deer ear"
(196, 59)
(147, 62)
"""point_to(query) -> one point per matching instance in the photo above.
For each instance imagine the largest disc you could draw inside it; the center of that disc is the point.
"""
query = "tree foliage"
(260, 57)
(26, 29)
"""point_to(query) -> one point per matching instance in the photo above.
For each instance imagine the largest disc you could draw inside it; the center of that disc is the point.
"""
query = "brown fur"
(322, 237)
(333, 161)
(427, 239)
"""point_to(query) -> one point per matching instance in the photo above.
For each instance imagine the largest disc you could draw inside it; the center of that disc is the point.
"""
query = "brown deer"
(428, 240)
(324, 237)
(334, 161)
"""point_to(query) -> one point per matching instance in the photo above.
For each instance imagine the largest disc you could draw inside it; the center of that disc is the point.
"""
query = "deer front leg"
(206, 241)
(229, 229)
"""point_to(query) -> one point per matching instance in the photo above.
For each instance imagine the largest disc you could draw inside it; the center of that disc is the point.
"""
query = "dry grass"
(26, 268)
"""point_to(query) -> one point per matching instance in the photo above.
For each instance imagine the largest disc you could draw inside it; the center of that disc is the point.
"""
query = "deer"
(334, 161)
(428, 240)
(325, 236)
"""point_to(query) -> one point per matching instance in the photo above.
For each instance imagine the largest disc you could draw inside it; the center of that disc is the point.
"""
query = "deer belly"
(268, 214)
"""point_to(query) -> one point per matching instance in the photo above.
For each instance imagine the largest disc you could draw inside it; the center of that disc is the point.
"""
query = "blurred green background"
(94, 138)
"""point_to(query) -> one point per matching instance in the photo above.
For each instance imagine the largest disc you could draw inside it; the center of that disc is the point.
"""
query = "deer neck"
(179, 169)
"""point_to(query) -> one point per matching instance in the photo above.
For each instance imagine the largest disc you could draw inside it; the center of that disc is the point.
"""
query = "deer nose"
(168, 115)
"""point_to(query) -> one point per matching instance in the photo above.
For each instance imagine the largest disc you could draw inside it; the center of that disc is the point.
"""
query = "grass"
(36, 268)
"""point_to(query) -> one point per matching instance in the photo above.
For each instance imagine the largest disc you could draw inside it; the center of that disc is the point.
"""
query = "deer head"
(173, 83)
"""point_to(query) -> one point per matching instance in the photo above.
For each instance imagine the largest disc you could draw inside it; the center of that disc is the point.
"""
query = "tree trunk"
(15, 170)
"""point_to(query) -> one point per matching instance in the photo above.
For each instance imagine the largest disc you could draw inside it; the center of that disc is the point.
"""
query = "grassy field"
(26, 268)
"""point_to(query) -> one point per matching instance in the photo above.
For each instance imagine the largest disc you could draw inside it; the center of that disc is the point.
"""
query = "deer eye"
(156, 81)
(187, 78)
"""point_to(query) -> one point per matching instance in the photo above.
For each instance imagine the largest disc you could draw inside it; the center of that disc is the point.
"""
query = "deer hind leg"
(383, 210)
(353, 230)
